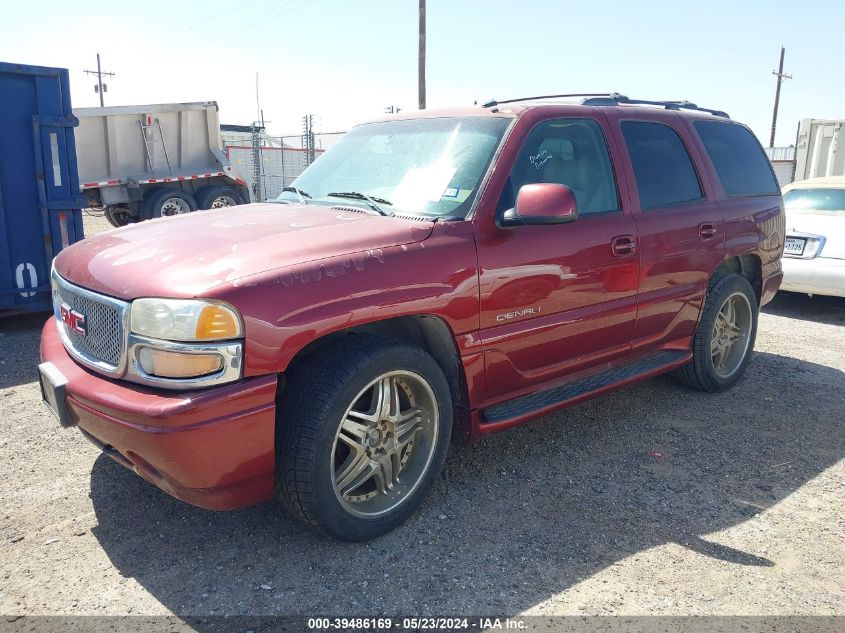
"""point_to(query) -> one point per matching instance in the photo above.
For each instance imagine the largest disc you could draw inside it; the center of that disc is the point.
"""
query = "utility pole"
(781, 76)
(100, 88)
(421, 65)
(257, 184)
(308, 138)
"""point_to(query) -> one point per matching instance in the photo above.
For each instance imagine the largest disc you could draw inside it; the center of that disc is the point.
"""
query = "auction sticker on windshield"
(423, 184)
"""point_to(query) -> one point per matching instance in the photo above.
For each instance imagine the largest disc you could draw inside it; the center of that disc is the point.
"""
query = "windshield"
(815, 200)
(430, 167)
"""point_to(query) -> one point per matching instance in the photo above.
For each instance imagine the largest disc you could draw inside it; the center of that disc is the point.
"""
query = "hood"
(185, 256)
(829, 224)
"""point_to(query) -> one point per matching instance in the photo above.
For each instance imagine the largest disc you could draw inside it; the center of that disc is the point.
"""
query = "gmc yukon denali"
(434, 277)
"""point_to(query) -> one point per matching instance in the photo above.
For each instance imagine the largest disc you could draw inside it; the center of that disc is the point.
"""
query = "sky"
(346, 61)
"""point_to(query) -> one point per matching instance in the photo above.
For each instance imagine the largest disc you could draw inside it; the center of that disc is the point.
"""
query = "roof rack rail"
(492, 103)
(615, 98)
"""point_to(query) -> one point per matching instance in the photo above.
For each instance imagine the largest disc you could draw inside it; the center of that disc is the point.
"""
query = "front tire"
(362, 432)
(724, 338)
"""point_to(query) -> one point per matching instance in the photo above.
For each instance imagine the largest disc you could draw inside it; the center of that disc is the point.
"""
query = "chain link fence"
(271, 163)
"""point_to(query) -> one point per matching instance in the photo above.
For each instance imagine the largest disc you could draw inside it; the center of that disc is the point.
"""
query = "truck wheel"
(118, 217)
(168, 202)
(218, 197)
(724, 338)
(362, 432)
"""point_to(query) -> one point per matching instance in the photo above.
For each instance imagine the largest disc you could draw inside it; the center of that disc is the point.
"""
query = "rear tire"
(724, 338)
(166, 202)
(347, 464)
(218, 197)
(118, 217)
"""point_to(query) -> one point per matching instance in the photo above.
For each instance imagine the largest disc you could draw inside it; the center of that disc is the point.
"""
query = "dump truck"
(820, 150)
(150, 161)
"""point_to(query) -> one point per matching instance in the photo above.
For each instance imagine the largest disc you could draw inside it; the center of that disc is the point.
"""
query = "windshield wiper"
(372, 201)
(300, 193)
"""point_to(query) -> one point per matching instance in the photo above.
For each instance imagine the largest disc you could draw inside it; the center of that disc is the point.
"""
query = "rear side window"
(739, 160)
(662, 166)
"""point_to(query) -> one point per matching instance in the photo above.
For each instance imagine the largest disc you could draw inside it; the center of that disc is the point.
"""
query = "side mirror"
(541, 203)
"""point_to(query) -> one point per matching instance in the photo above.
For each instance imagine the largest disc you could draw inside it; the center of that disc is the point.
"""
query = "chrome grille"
(103, 342)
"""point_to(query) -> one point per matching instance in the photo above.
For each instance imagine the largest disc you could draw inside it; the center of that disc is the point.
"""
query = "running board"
(524, 405)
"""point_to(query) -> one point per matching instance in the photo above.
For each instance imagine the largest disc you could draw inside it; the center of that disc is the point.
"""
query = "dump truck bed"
(148, 142)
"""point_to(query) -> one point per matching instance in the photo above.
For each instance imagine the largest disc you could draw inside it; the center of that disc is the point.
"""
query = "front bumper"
(212, 448)
(817, 276)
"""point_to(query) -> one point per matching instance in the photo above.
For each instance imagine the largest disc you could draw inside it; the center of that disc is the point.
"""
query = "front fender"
(285, 310)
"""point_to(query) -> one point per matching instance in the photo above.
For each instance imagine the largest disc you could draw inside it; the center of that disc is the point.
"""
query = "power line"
(219, 30)
(100, 87)
(216, 16)
(251, 21)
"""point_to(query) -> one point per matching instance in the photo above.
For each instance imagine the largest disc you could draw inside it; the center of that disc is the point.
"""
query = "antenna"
(257, 99)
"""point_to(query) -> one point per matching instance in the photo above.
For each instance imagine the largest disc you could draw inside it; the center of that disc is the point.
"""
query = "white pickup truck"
(149, 161)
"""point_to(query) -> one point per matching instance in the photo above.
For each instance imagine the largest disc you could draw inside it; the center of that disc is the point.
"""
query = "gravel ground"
(651, 500)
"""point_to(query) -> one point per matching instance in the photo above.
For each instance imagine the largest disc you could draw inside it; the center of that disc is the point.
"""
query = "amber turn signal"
(163, 364)
(217, 322)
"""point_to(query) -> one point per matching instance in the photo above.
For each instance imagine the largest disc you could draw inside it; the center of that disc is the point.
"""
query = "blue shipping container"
(40, 200)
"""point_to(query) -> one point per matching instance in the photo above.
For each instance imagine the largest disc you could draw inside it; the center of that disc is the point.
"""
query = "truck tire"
(724, 338)
(165, 202)
(362, 431)
(118, 217)
(218, 197)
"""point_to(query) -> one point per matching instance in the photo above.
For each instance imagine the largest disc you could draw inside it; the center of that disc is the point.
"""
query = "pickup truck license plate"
(794, 245)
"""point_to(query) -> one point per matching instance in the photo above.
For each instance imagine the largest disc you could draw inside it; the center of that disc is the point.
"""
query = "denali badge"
(73, 320)
(517, 314)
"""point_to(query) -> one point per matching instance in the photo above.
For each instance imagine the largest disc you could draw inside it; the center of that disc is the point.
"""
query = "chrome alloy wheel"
(731, 335)
(174, 206)
(223, 201)
(385, 443)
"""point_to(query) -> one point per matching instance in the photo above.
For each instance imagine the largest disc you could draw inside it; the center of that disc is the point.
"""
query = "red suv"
(434, 277)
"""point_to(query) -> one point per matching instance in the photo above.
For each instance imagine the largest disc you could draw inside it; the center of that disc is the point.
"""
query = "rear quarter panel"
(754, 225)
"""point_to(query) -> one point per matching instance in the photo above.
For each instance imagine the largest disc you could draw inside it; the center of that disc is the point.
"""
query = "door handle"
(623, 245)
(706, 230)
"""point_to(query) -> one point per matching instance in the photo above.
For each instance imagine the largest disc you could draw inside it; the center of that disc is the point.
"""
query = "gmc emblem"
(73, 320)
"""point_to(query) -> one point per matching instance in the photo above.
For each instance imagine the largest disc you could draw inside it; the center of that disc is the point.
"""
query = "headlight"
(185, 320)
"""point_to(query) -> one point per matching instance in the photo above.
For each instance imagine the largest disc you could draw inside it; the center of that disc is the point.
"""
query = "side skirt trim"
(524, 405)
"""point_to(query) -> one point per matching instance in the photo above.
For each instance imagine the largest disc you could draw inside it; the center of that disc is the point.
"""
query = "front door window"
(569, 152)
